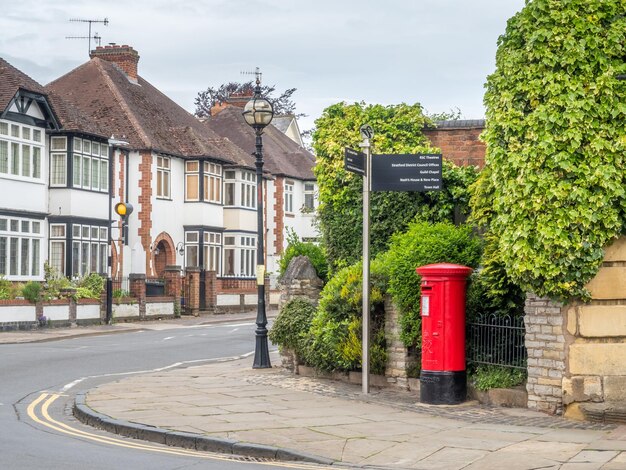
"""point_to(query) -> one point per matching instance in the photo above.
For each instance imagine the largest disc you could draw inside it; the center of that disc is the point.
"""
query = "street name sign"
(354, 161)
(421, 172)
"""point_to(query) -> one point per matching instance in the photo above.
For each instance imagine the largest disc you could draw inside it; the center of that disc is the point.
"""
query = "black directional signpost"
(418, 173)
(421, 172)
(354, 161)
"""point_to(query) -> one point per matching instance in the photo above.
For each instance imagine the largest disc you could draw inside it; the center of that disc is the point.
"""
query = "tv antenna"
(257, 73)
(105, 22)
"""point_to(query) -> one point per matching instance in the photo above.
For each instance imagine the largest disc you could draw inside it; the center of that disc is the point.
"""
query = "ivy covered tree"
(398, 129)
(552, 194)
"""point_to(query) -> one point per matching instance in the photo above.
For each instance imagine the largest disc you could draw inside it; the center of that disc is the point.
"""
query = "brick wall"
(145, 204)
(118, 265)
(279, 214)
(459, 141)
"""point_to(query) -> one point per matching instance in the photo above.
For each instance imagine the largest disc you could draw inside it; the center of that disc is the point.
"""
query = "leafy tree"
(205, 100)
(552, 193)
(398, 129)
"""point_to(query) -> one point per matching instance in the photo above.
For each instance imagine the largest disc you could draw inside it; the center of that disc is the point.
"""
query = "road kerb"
(88, 416)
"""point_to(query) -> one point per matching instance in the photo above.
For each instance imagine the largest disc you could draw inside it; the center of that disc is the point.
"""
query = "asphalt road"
(65, 367)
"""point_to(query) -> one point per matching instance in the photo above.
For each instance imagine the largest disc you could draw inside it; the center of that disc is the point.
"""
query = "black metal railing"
(497, 340)
(121, 287)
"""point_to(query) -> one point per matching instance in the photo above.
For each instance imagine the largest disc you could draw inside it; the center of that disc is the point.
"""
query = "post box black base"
(443, 387)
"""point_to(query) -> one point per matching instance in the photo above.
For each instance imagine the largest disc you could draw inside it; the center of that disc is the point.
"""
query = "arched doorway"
(162, 254)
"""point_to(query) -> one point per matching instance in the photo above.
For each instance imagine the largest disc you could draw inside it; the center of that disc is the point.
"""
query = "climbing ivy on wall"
(398, 129)
(552, 193)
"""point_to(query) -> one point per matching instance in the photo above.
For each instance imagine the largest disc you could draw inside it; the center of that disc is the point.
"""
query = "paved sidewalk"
(232, 403)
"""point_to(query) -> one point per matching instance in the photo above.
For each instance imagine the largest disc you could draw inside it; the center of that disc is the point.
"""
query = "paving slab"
(336, 421)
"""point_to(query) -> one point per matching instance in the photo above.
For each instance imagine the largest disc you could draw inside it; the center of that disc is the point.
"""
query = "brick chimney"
(124, 56)
(237, 100)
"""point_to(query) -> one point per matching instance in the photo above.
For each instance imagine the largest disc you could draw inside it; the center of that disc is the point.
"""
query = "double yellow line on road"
(44, 419)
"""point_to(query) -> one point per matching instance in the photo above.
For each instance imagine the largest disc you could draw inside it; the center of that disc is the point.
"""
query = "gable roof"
(282, 156)
(12, 80)
(139, 113)
(19, 91)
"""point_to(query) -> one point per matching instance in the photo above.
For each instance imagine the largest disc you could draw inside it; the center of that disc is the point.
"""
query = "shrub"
(291, 324)
(488, 377)
(296, 247)
(6, 288)
(334, 339)
(32, 292)
(54, 283)
(90, 287)
(120, 294)
(424, 244)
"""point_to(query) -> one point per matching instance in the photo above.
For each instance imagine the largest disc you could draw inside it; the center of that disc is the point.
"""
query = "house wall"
(78, 203)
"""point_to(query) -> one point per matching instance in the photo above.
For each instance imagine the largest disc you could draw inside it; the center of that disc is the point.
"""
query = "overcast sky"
(435, 52)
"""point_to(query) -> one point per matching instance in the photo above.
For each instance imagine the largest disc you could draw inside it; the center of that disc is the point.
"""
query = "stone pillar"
(210, 291)
(138, 290)
(594, 386)
(173, 285)
(72, 311)
(398, 359)
(545, 343)
(299, 280)
(192, 304)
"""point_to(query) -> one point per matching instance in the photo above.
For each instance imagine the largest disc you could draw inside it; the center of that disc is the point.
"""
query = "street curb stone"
(184, 440)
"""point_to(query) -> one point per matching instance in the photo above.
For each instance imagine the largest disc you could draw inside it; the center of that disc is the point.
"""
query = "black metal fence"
(121, 287)
(497, 340)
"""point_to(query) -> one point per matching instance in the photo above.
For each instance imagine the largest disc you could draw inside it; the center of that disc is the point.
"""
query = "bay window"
(20, 247)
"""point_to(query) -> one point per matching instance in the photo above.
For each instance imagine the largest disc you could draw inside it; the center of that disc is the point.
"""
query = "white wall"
(22, 195)
(77, 203)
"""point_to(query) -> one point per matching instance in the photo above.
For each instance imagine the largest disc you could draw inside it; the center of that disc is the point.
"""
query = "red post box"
(443, 380)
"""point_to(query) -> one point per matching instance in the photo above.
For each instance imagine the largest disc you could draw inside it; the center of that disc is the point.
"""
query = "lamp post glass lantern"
(258, 113)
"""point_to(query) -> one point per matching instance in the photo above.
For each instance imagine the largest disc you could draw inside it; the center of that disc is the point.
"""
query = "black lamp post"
(258, 113)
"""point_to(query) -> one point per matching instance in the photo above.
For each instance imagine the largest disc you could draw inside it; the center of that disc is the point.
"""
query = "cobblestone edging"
(185, 440)
(406, 401)
(545, 343)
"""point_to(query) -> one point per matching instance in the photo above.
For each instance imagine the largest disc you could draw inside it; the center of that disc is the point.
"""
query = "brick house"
(192, 184)
(42, 200)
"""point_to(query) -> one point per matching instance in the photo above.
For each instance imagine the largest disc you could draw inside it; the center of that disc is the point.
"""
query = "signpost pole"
(367, 133)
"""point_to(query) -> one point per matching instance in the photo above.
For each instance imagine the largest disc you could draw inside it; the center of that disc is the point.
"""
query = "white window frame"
(309, 195)
(248, 189)
(23, 152)
(212, 182)
(21, 244)
(164, 177)
(192, 172)
(288, 195)
(241, 250)
(96, 156)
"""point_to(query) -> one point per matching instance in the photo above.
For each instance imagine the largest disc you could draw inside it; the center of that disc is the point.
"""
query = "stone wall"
(594, 386)
(577, 352)
(398, 359)
(545, 343)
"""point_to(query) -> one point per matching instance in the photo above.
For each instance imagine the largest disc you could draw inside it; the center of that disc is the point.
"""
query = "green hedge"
(423, 244)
